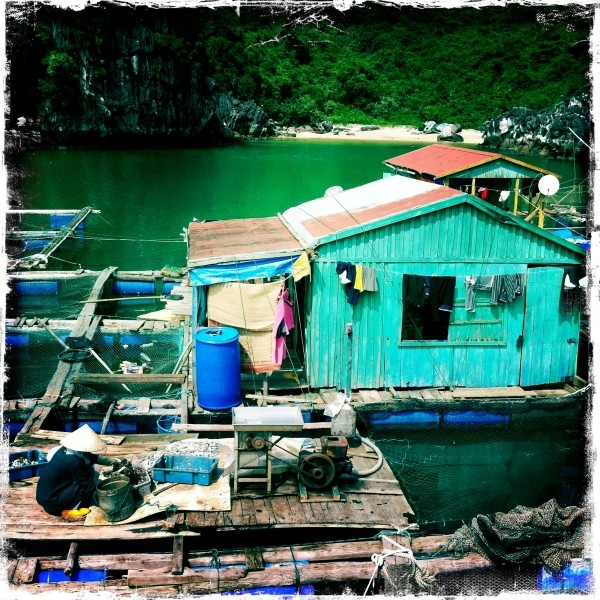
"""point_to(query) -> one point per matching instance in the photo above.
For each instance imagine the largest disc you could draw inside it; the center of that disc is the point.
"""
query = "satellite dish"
(548, 185)
(336, 189)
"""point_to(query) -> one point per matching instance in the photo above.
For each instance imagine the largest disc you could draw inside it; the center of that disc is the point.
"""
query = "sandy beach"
(384, 134)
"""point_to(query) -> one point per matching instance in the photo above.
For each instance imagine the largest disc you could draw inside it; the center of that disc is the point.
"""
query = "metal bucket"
(115, 498)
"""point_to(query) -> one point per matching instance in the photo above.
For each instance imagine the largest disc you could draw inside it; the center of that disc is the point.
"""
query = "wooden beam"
(469, 562)
(25, 571)
(30, 262)
(308, 430)
(236, 578)
(133, 378)
(178, 555)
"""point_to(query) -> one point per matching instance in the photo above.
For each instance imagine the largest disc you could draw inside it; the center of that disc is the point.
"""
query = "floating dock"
(323, 539)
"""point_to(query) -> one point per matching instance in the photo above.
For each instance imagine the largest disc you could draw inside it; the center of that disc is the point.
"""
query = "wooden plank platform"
(368, 504)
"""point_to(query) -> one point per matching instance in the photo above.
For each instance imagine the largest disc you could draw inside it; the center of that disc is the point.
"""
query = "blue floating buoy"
(406, 418)
(58, 221)
(35, 288)
(35, 244)
(17, 340)
(131, 288)
(474, 417)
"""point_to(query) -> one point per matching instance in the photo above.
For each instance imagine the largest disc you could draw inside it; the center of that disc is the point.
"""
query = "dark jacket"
(67, 480)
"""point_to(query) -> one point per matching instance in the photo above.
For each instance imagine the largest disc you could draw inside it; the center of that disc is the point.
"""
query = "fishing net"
(58, 297)
(451, 473)
(33, 356)
(33, 353)
(548, 535)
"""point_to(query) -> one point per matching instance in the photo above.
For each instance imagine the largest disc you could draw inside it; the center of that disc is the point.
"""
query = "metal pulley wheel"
(317, 471)
(259, 443)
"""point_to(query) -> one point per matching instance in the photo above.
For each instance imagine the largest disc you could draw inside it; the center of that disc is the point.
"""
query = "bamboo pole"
(71, 561)
(117, 299)
(180, 361)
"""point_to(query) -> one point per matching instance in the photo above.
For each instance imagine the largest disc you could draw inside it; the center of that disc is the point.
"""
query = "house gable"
(460, 229)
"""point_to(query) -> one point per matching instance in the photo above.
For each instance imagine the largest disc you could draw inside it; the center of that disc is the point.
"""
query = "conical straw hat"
(84, 439)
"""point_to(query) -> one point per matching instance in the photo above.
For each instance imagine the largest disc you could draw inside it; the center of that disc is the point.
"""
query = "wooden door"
(550, 331)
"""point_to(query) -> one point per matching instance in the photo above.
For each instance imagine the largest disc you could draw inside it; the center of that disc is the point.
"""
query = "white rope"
(379, 559)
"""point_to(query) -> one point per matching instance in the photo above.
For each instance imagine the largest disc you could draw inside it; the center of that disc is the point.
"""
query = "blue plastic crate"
(184, 469)
(25, 472)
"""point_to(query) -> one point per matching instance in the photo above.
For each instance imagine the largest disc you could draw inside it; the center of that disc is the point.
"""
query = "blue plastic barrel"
(168, 287)
(218, 372)
(131, 288)
(58, 221)
(36, 288)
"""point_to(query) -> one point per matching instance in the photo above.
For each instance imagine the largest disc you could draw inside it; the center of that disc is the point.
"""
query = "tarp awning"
(242, 271)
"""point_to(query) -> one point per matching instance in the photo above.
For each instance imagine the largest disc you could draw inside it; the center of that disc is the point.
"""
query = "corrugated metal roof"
(217, 242)
(353, 208)
(440, 160)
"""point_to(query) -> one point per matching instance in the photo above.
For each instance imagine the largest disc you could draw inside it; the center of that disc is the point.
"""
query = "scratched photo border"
(593, 293)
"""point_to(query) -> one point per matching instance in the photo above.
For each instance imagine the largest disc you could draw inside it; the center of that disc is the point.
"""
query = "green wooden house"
(402, 227)
(515, 321)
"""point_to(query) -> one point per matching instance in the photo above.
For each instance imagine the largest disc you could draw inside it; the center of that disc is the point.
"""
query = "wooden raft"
(189, 571)
(375, 502)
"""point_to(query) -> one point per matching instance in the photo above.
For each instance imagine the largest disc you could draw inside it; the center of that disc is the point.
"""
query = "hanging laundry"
(284, 323)
(301, 268)
(352, 294)
(370, 280)
(505, 288)
(413, 291)
(358, 282)
(482, 192)
(442, 293)
(472, 285)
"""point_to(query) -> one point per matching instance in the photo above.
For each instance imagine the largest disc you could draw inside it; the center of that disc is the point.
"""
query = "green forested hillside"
(371, 64)
(407, 66)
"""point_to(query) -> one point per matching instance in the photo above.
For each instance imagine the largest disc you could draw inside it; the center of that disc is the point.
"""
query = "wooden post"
(396, 566)
(254, 559)
(516, 199)
(541, 212)
(178, 555)
(72, 557)
(348, 385)
(106, 420)
(473, 186)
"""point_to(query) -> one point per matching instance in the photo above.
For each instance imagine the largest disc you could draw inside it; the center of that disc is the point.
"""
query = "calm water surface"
(148, 196)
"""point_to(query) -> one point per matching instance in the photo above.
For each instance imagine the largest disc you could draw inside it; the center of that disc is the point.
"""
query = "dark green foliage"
(371, 64)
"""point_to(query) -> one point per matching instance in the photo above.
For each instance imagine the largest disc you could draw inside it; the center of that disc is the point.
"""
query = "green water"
(148, 196)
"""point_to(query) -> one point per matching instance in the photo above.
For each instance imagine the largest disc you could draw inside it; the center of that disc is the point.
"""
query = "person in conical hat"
(68, 482)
